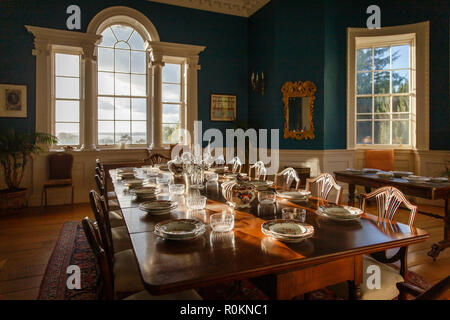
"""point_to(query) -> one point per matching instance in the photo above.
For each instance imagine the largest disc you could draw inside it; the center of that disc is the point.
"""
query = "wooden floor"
(27, 241)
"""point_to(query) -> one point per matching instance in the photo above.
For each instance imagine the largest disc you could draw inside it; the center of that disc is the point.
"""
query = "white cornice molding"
(175, 49)
(241, 8)
(63, 37)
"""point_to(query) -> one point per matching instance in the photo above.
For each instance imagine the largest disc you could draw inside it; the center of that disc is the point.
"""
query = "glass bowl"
(176, 189)
(196, 202)
(293, 213)
(221, 222)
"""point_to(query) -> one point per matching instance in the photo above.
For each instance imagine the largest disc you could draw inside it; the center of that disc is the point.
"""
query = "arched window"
(122, 86)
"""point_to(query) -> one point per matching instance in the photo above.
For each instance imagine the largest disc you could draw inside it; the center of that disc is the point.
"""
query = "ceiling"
(242, 8)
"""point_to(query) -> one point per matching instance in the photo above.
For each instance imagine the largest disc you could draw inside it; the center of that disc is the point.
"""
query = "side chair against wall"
(259, 169)
(115, 278)
(60, 174)
(285, 178)
(388, 201)
(324, 183)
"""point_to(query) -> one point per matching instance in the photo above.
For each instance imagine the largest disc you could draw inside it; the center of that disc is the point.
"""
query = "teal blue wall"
(223, 63)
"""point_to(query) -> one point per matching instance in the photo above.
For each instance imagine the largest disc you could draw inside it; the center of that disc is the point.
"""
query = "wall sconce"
(257, 83)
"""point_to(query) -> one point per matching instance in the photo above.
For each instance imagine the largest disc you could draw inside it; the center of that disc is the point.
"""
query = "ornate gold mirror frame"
(299, 89)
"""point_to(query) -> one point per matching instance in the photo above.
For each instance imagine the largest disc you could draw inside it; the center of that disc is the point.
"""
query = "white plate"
(385, 175)
(439, 179)
(158, 206)
(234, 175)
(180, 229)
(260, 183)
(287, 230)
(400, 174)
(344, 213)
(294, 195)
(370, 170)
(125, 169)
(354, 171)
(417, 179)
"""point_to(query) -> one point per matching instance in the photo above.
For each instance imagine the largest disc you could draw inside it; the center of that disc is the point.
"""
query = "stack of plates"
(181, 229)
(354, 171)
(295, 196)
(261, 185)
(343, 213)
(385, 175)
(158, 207)
(417, 179)
(399, 174)
(134, 183)
(146, 193)
(439, 180)
(126, 175)
(234, 175)
(287, 230)
(370, 170)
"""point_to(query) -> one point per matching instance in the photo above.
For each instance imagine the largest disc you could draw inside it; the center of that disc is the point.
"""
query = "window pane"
(400, 81)
(67, 110)
(138, 85)
(123, 133)
(171, 113)
(123, 111)
(364, 132)
(381, 132)
(122, 84)
(139, 129)
(171, 73)
(122, 32)
(382, 104)
(136, 42)
(363, 59)
(400, 104)
(364, 105)
(108, 39)
(400, 116)
(105, 108)
(105, 59)
(364, 117)
(171, 133)
(105, 132)
(171, 93)
(68, 88)
(139, 109)
(381, 58)
(67, 65)
(105, 83)
(382, 116)
(400, 132)
(400, 57)
(364, 83)
(381, 82)
(67, 133)
(138, 62)
(122, 60)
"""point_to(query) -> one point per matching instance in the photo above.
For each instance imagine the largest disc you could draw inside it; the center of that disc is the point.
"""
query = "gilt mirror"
(298, 99)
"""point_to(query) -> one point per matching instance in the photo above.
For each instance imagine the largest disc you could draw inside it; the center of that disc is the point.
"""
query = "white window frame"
(416, 34)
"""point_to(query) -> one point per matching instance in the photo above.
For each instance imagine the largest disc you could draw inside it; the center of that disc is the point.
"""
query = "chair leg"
(45, 192)
(72, 194)
(42, 197)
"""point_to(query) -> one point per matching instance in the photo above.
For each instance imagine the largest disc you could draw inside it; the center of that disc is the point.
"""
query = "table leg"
(438, 247)
(351, 194)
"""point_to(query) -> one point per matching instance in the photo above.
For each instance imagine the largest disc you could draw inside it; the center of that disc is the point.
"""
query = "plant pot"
(12, 201)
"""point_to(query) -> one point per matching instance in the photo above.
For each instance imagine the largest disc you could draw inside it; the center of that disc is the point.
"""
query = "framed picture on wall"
(13, 101)
(223, 107)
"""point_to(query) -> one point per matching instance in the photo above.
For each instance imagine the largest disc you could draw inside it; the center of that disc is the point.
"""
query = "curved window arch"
(122, 86)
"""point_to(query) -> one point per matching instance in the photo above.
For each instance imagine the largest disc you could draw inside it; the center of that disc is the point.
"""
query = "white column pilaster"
(90, 97)
(157, 65)
(192, 92)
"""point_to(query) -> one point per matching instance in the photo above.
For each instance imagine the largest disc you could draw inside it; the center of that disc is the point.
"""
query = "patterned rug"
(72, 248)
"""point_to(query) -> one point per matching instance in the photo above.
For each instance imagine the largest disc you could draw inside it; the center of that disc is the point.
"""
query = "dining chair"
(285, 178)
(156, 158)
(115, 239)
(120, 279)
(324, 184)
(259, 169)
(439, 291)
(236, 165)
(111, 204)
(60, 174)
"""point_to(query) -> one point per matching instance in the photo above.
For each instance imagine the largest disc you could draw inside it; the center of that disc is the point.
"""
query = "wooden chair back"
(60, 165)
(100, 184)
(285, 178)
(105, 286)
(324, 183)
(380, 159)
(236, 165)
(104, 226)
(156, 158)
(259, 169)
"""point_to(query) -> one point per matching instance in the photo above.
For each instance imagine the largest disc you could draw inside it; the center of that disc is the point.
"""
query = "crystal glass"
(162, 179)
(196, 202)
(294, 213)
(176, 189)
(266, 197)
(152, 172)
(267, 210)
(221, 222)
(211, 177)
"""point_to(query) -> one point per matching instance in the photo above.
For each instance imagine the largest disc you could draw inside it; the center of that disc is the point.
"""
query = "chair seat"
(121, 239)
(116, 219)
(183, 295)
(113, 205)
(127, 279)
(112, 195)
(58, 183)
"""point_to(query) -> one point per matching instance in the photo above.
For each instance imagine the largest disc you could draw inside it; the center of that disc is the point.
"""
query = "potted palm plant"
(16, 149)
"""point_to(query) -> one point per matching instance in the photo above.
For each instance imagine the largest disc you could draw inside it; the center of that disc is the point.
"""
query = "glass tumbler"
(221, 222)
(294, 213)
(266, 197)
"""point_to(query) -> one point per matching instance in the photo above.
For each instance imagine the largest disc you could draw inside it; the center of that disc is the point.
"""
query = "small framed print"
(223, 107)
(13, 101)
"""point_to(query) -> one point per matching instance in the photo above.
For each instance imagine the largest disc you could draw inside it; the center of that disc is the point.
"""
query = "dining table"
(333, 254)
(425, 190)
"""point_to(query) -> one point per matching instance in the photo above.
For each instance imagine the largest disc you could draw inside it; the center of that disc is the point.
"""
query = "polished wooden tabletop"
(245, 252)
